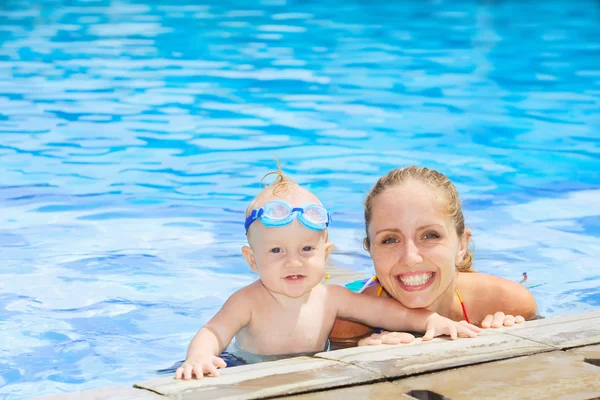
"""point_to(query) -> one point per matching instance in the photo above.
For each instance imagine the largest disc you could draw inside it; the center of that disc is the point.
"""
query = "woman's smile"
(416, 281)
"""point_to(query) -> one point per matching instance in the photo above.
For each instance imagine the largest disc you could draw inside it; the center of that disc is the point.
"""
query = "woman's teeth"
(416, 279)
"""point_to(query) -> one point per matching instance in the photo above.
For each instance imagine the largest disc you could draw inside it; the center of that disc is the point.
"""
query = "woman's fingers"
(487, 321)
(369, 341)
(396, 338)
(509, 320)
(498, 320)
(386, 338)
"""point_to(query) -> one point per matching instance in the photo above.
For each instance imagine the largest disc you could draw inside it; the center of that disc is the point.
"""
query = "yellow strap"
(380, 290)
(459, 296)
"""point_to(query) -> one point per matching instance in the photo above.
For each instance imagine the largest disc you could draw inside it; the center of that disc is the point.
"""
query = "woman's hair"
(447, 195)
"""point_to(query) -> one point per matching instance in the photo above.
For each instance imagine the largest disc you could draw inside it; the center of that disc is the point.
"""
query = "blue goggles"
(279, 213)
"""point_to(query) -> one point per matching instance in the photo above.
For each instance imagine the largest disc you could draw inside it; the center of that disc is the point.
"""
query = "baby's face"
(290, 259)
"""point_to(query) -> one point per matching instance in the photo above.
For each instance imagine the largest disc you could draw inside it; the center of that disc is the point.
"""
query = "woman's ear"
(463, 246)
(366, 244)
(249, 256)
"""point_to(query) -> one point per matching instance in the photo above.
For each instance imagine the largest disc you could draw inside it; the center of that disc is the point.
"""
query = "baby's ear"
(328, 248)
(249, 256)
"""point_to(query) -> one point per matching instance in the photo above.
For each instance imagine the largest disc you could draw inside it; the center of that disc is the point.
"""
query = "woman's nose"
(412, 255)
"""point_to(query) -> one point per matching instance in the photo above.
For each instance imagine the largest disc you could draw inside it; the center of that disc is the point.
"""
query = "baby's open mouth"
(295, 277)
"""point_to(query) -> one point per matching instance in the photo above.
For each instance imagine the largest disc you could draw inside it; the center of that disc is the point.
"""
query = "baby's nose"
(293, 261)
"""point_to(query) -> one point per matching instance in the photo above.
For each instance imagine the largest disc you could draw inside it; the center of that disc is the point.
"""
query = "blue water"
(133, 134)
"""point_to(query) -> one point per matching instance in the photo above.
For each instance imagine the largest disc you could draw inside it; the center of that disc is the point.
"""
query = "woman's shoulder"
(488, 294)
(483, 285)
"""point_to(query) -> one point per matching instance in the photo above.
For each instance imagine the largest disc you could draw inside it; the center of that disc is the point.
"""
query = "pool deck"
(550, 358)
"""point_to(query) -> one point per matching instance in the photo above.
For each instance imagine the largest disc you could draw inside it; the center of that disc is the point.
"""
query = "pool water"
(134, 133)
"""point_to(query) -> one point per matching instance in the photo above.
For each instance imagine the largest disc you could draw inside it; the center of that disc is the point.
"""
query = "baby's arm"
(204, 350)
(389, 314)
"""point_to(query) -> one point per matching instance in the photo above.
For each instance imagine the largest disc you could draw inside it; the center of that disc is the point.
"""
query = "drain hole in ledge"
(426, 395)
(593, 361)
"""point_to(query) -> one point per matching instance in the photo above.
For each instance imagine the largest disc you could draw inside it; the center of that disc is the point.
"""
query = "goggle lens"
(277, 210)
(316, 214)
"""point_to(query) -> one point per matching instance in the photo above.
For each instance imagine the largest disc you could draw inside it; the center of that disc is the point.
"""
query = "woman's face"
(414, 246)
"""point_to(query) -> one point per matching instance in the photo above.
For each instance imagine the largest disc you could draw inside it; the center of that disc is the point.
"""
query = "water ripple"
(134, 133)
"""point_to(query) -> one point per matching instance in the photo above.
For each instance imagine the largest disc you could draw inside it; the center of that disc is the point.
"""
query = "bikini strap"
(462, 305)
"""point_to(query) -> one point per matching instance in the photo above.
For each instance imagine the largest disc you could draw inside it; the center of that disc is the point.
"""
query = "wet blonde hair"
(447, 195)
(278, 188)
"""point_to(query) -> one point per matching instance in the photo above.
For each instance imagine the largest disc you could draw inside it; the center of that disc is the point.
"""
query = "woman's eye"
(431, 235)
(308, 248)
(389, 240)
(276, 250)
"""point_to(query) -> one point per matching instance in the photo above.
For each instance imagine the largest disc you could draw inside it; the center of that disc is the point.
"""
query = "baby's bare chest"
(286, 332)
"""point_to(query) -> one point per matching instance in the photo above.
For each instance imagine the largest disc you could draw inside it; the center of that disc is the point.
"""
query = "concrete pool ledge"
(538, 347)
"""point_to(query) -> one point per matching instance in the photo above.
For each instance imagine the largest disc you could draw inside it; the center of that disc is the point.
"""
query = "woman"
(418, 241)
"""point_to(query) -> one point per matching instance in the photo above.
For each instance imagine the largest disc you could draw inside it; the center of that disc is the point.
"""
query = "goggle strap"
(254, 215)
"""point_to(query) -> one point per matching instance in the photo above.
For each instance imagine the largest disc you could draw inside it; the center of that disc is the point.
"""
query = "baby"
(288, 310)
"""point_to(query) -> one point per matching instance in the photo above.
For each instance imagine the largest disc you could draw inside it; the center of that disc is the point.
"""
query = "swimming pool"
(133, 134)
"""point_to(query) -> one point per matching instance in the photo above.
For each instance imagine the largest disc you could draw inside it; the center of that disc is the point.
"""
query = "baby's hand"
(438, 325)
(200, 367)
(386, 338)
(500, 319)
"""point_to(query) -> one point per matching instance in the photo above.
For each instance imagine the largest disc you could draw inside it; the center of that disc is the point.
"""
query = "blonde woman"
(416, 236)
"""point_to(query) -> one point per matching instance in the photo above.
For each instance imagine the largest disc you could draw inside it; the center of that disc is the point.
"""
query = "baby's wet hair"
(281, 184)
(278, 188)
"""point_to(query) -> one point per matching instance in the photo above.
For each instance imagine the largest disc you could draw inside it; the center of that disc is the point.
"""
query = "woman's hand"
(386, 338)
(199, 368)
(500, 319)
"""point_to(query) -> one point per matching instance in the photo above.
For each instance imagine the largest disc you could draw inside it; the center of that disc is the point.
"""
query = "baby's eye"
(389, 240)
(275, 250)
(431, 235)
(308, 248)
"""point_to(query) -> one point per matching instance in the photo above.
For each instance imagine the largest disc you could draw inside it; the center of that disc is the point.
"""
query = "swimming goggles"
(279, 213)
